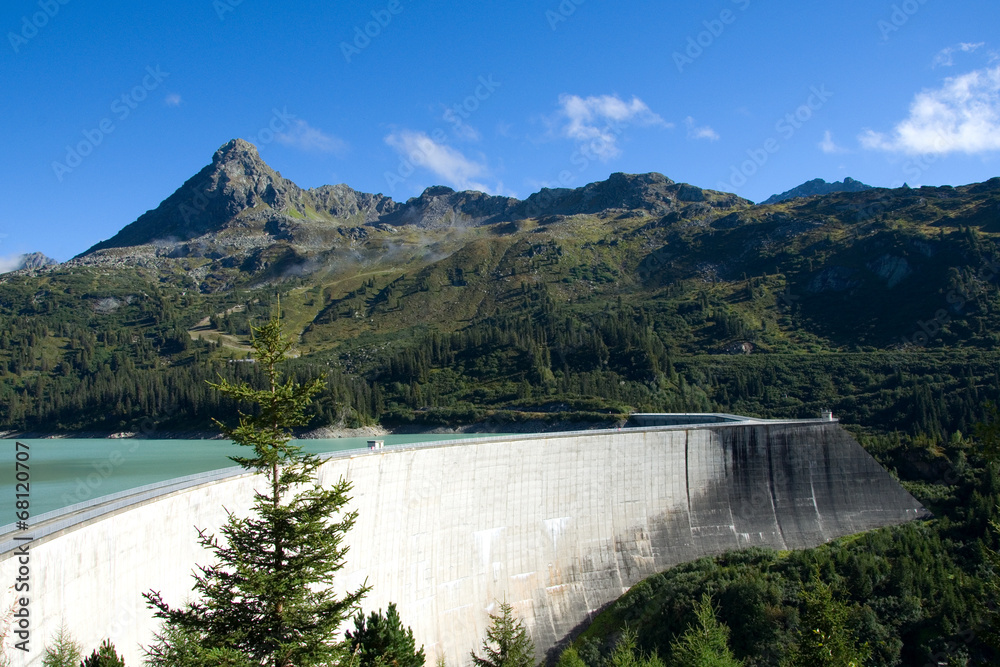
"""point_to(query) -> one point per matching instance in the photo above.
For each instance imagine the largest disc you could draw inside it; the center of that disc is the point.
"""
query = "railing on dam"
(45, 526)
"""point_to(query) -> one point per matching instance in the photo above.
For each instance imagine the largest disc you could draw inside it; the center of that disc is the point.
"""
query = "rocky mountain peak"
(29, 261)
(818, 186)
(239, 204)
(36, 260)
(437, 191)
(237, 181)
(236, 150)
(653, 193)
(441, 206)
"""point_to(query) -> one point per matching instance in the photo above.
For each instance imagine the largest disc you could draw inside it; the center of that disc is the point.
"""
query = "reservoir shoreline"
(327, 432)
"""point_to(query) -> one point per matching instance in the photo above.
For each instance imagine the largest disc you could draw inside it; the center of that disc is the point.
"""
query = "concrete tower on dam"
(559, 525)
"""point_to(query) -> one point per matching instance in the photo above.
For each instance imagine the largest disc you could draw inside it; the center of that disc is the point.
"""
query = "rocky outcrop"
(347, 204)
(818, 186)
(33, 261)
(440, 206)
(238, 204)
(238, 192)
(652, 193)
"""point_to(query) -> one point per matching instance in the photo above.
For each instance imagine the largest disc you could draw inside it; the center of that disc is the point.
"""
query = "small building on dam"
(558, 524)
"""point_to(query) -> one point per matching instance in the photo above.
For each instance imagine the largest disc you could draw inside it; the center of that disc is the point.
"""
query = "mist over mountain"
(31, 260)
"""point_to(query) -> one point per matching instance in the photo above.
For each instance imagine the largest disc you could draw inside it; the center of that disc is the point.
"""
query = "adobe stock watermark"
(956, 300)
(697, 44)
(455, 115)
(363, 36)
(484, 91)
(30, 25)
(103, 468)
(280, 122)
(581, 158)
(201, 194)
(87, 487)
(786, 128)
(223, 7)
(900, 16)
(121, 108)
(914, 168)
(562, 13)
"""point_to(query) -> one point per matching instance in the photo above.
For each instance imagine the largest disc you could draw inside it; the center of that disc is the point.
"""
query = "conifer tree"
(570, 658)
(64, 651)
(825, 640)
(626, 654)
(507, 643)
(106, 656)
(267, 599)
(382, 641)
(705, 643)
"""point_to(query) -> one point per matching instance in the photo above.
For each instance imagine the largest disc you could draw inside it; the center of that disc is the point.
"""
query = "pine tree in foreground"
(268, 598)
(382, 641)
(705, 643)
(64, 651)
(507, 643)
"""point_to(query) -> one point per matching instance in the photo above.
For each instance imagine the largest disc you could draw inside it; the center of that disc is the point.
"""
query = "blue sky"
(110, 106)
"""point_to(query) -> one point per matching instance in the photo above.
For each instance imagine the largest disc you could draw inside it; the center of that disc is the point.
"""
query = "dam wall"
(559, 525)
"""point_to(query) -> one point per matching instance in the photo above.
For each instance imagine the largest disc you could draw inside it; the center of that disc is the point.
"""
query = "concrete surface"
(558, 524)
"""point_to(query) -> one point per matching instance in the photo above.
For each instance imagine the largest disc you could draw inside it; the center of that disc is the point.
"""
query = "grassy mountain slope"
(628, 294)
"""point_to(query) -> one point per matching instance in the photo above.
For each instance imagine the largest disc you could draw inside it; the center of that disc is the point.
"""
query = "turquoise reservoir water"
(64, 472)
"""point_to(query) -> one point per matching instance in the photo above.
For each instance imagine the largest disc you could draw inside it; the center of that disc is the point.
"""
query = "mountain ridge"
(242, 204)
(818, 186)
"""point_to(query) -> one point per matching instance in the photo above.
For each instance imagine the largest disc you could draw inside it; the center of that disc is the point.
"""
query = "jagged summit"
(652, 193)
(818, 186)
(238, 203)
(237, 151)
(241, 197)
(31, 261)
(440, 206)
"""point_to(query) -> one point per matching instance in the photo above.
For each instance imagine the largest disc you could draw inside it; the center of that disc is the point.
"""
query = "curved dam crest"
(559, 525)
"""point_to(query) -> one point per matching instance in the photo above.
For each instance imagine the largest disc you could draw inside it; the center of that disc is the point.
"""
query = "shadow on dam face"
(559, 525)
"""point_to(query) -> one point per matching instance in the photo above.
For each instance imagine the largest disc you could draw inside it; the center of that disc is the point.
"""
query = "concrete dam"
(557, 524)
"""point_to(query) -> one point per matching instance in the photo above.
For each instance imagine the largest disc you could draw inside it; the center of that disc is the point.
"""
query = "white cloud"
(306, 137)
(10, 262)
(447, 163)
(173, 100)
(597, 122)
(828, 145)
(946, 57)
(962, 116)
(703, 132)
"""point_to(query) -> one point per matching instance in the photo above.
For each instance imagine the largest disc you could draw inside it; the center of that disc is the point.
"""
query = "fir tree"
(177, 647)
(825, 640)
(268, 598)
(570, 658)
(382, 641)
(64, 652)
(627, 655)
(507, 643)
(705, 643)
